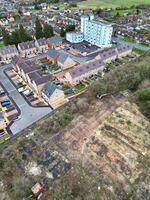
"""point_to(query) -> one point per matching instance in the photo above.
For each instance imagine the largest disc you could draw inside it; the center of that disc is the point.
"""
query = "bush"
(145, 95)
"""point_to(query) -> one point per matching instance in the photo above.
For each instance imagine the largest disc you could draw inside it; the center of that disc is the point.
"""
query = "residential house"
(55, 42)
(53, 95)
(124, 50)
(82, 71)
(41, 45)
(37, 80)
(111, 54)
(52, 55)
(27, 48)
(26, 68)
(65, 61)
(108, 55)
(16, 60)
(7, 53)
(32, 75)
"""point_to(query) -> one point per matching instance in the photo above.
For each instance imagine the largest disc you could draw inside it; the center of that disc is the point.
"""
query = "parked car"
(5, 103)
(16, 118)
(2, 93)
(29, 94)
(21, 89)
(26, 92)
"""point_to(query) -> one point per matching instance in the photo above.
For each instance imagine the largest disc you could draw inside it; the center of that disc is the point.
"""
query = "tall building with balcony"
(96, 32)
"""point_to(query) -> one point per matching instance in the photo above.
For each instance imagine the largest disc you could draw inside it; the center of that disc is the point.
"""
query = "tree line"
(127, 77)
(20, 34)
(68, 28)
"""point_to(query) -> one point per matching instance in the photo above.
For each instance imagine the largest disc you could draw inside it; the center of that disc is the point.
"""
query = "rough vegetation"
(90, 149)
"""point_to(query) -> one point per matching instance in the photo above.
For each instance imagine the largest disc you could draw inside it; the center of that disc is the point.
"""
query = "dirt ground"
(101, 154)
(112, 143)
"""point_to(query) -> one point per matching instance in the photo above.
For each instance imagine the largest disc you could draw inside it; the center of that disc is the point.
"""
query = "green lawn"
(79, 87)
(94, 4)
(127, 39)
(122, 12)
(138, 51)
(1, 44)
(145, 44)
(4, 137)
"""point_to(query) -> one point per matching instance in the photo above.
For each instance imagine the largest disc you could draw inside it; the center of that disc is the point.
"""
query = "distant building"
(7, 53)
(55, 42)
(96, 32)
(41, 45)
(27, 48)
(53, 95)
(74, 37)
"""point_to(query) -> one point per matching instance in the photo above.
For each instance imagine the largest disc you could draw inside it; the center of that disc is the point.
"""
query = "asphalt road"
(29, 114)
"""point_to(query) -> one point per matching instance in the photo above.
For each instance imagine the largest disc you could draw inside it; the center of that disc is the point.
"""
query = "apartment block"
(96, 32)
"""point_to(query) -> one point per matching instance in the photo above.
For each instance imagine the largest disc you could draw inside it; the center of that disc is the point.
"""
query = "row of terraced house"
(38, 82)
(82, 71)
(29, 48)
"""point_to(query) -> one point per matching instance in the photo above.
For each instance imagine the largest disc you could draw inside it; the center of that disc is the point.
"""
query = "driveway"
(29, 114)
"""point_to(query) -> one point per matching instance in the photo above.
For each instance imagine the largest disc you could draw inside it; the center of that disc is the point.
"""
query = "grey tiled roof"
(17, 60)
(35, 75)
(42, 80)
(114, 51)
(27, 67)
(62, 58)
(123, 48)
(108, 53)
(8, 50)
(84, 68)
(52, 53)
(49, 88)
(38, 77)
(42, 42)
(27, 45)
(55, 39)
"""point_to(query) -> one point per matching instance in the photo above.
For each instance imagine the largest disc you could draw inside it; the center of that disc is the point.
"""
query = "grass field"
(122, 12)
(4, 137)
(94, 4)
(138, 51)
(1, 44)
(127, 39)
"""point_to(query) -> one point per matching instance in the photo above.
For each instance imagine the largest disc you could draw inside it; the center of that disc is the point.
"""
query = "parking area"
(24, 89)
(8, 113)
